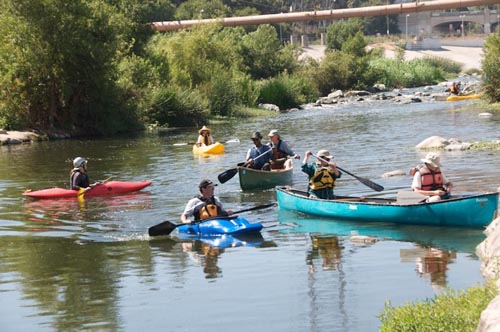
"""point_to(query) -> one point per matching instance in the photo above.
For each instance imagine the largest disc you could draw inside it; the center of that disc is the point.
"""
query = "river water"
(90, 266)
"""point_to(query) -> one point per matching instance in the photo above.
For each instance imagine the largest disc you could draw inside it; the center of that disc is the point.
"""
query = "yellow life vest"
(322, 178)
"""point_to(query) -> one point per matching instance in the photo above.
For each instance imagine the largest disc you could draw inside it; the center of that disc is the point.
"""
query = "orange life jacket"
(431, 180)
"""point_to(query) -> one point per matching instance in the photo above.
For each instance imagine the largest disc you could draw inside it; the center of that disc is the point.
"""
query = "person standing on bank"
(430, 181)
(259, 156)
(205, 137)
(322, 175)
(281, 151)
(205, 205)
(78, 178)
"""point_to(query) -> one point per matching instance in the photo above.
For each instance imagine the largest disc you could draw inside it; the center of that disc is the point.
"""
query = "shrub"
(491, 70)
(448, 312)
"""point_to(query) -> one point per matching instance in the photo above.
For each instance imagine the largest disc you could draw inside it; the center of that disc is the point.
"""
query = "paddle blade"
(163, 228)
(227, 175)
(371, 184)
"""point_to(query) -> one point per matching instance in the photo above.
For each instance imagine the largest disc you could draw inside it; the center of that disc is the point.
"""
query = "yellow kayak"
(216, 148)
(464, 97)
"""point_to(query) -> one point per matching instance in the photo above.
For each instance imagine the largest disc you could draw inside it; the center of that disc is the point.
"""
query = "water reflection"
(326, 248)
(431, 263)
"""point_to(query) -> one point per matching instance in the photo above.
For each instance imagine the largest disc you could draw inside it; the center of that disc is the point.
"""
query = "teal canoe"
(469, 210)
(257, 179)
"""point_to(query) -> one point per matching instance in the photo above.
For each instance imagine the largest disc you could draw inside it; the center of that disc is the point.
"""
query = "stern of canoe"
(257, 179)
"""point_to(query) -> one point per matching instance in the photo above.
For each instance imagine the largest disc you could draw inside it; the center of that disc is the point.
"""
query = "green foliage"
(418, 72)
(339, 32)
(200, 9)
(287, 91)
(448, 312)
(174, 107)
(263, 54)
(63, 57)
(491, 70)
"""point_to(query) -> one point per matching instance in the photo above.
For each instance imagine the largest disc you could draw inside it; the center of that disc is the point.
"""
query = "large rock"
(489, 253)
(433, 142)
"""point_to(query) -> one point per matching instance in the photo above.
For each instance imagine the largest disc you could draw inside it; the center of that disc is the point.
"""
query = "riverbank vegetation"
(96, 67)
(448, 312)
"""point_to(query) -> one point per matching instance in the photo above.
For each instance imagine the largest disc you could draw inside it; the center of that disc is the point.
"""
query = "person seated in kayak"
(454, 88)
(322, 175)
(260, 155)
(79, 179)
(205, 138)
(430, 181)
(281, 151)
(205, 205)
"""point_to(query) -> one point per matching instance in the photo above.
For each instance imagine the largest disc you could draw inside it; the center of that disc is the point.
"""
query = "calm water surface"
(90, 266)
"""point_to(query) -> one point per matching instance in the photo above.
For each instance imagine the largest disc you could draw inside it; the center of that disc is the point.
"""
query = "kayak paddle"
(364, 181)
(230, 173)
(81, 191)
(234, 140)
(166, 227)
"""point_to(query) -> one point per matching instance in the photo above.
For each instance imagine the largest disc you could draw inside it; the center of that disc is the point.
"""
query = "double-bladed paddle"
(364, 181)
(234, 140)
(230, 173)
(81, 191)
(166, 227)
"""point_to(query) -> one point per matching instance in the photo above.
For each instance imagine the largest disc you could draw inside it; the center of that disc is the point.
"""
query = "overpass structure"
(414, 9)
(457, 23)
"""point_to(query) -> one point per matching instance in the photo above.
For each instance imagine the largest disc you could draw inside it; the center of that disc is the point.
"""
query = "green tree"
(491, 71)
(264, 55)
(58, 65)
(339, 32)
(200, 9)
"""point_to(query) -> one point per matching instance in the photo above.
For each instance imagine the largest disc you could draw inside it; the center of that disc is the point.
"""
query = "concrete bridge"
(458, 23)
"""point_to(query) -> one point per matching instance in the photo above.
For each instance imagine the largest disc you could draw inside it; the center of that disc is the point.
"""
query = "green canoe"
(257, 179)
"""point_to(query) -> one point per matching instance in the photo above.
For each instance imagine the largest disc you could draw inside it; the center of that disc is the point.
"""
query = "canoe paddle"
(81, 191)
(228, 175)
(166, 227)
(409, 198)
(234, 140)
(364, 181)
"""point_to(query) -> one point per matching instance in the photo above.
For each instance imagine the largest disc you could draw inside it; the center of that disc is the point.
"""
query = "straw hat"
(324, 154)
(432, 159)
(274, 132)
(204, 128)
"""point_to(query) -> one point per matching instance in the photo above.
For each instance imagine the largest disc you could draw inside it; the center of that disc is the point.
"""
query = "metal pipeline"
(332, 14)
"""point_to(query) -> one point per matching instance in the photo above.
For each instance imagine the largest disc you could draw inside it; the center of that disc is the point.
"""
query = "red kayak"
(107, 188)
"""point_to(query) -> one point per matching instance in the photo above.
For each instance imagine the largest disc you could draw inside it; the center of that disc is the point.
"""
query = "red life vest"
(431, 180)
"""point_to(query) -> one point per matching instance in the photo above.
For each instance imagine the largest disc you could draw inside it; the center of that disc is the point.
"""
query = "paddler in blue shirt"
(204, 206)
(260, 155)
(322, 175)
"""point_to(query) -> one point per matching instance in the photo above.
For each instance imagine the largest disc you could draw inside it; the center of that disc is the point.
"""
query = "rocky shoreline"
(28, 136)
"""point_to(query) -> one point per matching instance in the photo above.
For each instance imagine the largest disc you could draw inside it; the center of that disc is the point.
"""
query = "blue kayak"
(232, 225)
(222, 241)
